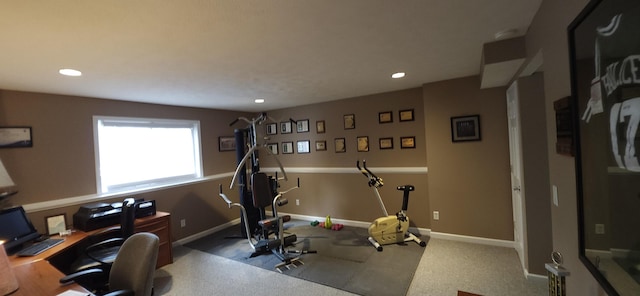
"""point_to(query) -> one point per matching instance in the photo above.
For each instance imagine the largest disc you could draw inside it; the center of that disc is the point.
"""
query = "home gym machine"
(390, 229)
(264, 233)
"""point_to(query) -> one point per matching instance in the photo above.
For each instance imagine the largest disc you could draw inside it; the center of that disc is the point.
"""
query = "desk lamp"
(8, 281)
(7, 187)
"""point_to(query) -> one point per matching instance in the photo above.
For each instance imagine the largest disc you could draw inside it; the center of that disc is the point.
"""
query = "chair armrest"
(120, 293)
(87, 273)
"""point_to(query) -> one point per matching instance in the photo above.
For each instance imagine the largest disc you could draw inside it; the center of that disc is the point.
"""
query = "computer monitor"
(15, 228)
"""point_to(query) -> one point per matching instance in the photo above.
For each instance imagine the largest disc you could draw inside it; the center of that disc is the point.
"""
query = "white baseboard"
(352, 223)
(530, 276)
(473, 239)
(202, 234)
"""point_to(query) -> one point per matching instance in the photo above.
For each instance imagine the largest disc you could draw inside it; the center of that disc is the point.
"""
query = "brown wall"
(60, 166)
(365, 109)
(61, 162)
(548, 34)
(469, 182)
(343, 193)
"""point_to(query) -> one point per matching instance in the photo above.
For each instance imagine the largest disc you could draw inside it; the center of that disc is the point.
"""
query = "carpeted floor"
(344, 260)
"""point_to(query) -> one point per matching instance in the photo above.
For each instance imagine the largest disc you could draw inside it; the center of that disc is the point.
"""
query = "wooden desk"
(37, 276)
(41, 278)
(159, 224)
(69, 242)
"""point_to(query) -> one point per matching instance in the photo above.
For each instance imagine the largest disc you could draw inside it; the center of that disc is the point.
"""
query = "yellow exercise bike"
(390, 229)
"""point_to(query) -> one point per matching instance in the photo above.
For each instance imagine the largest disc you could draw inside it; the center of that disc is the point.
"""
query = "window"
(136, 153)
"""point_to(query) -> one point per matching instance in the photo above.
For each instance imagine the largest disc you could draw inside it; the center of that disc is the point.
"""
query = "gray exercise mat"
(344, 260)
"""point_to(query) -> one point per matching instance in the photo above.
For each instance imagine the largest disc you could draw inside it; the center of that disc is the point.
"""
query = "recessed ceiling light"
(70, 72)
(397, 75)
(259, 101)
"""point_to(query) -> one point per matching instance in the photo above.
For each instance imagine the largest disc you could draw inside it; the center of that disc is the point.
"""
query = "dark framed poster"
(604, 51)
(465, 128)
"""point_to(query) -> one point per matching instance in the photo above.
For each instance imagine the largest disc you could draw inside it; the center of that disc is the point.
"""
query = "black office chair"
(131, 273)
(104, 252)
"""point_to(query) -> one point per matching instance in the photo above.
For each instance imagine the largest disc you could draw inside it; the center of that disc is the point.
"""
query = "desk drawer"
(159, 226)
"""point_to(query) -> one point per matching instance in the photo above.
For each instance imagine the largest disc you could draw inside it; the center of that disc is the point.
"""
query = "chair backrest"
(128, 217)
(135, 265)
(261, 189)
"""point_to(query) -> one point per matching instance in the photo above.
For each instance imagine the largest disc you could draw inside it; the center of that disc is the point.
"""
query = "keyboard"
(39, 247)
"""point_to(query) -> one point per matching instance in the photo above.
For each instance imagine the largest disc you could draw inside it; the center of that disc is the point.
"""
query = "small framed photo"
(340, 145)
(386, 143)
(465, 128)
(285, 128)
(56, 224)
(226, 144)
(11, 137)
(406, 115)
(349, 121)
(272, 129)
(363, 144)
(287, 147)
(385, 117)
(304, 146)
(320, 127)
(407, 142)
(302, 126)
(273, 148)
(321, 145)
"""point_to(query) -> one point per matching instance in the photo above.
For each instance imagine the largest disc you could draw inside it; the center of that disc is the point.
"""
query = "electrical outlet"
(599, 228)
(183, 222)
(297, 202)
(436, 215)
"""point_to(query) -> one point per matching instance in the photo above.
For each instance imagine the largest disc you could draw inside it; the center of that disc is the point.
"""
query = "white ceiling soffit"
(501, 60)
(225, 54)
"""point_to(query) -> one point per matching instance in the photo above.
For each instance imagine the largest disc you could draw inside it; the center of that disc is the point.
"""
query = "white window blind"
(138, 153)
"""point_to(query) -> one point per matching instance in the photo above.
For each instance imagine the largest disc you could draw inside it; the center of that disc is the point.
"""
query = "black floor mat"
(344, 260)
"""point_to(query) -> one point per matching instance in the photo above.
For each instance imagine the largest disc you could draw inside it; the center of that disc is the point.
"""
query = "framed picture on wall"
(285, 127)
(273, 148)
(302, 126)
(603, 60)
(15, 137)
(304, 146)
(406, 115)
(272, 129)
(321, 145)
(407, 142)
(287, 147)
(385, 117)
(363, 144)
(386, 143)
(340, 145)
(226, 144)
(320, 129)
(465, 128)
(349, 121)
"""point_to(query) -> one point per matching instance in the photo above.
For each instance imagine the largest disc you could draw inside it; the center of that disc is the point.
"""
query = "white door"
(515, 153)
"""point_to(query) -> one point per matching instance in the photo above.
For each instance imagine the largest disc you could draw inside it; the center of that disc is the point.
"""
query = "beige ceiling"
(224, 54)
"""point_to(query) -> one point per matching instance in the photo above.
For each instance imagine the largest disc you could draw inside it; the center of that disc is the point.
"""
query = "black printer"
(99, 215)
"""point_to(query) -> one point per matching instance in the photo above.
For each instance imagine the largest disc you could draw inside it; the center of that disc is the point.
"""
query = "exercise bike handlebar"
(373, 179)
